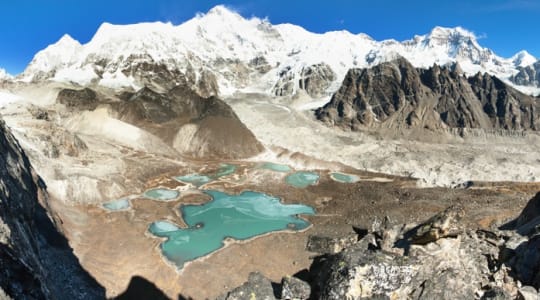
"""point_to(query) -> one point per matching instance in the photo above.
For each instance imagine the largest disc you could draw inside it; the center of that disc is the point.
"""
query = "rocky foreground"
(437, 259)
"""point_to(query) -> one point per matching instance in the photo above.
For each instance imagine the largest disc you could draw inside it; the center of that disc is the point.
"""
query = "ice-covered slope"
(523, 59)
(4, 75)
(249, 55)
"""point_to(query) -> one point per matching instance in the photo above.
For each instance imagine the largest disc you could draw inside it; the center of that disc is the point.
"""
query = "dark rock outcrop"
(36, 261)
(314, 79)
(444, 224)
(528, 76)
(397, 95)
(257, 287)
(294, 288)
(86, 98)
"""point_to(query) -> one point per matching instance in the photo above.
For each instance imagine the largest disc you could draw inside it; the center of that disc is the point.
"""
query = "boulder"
(439, 226)
(294, 288)
(257, 287)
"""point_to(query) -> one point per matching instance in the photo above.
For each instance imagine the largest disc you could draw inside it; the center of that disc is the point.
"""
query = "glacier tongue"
(249, 54)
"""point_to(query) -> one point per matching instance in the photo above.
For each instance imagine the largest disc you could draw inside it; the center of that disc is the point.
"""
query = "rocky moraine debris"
(438, 259)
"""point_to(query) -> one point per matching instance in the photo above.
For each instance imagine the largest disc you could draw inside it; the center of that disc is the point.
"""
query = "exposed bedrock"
(397, 95)
(440, 258)
(36, 261)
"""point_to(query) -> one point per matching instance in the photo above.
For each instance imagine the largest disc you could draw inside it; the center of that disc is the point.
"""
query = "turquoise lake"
(162, 194)
(200, 179)
(195, 179)
(276, 167)
(302, 179)
(344, 178)
(116, 205)
(224, 170)
(239, 217)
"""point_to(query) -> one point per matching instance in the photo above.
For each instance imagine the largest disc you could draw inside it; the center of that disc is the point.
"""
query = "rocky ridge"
(397, 95)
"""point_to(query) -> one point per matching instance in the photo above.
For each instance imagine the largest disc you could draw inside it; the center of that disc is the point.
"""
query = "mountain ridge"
(397, 95)
(224, 43)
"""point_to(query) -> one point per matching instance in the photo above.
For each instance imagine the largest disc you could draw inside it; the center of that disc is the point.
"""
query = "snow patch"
(523, 59)
(118, 80)
(81, 76)
(7, 98)
(4, 75)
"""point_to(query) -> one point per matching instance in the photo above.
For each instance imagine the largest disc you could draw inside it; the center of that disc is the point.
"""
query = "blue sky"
(506, 26)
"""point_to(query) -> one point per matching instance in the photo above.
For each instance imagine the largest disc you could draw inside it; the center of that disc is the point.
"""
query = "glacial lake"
(239, 217)
(195, 179)
(199, 179)
(116, 205)
(276, 167)
(162, 194)
(344, 178)
(302, 179)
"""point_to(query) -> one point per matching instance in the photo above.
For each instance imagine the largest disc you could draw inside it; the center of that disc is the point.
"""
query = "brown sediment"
(127, 249)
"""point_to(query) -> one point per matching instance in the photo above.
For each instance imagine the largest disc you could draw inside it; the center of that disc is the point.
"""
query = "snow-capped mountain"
(523, 59)
(222, 49)
(4, 75)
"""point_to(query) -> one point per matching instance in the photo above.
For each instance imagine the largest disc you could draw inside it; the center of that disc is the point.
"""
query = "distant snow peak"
(523, 59)
(4, 75)
(66, 39)
(249, 54)
(439, 31)
(452, 37)
(222, 10)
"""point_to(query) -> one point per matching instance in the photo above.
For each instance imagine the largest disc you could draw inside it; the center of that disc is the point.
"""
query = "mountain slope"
(181, 118)
(248, 55)
(397, 95)
(36, 260)
(4, 75)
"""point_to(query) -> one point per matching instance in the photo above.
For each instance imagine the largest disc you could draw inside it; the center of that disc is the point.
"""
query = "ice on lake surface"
(162, 194)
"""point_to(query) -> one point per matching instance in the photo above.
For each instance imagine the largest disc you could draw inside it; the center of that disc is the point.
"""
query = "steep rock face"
(83, 99)
(506, 107)
(314, 79)
(528, 76)
(36, 261)
(193, 125)
(397, 95)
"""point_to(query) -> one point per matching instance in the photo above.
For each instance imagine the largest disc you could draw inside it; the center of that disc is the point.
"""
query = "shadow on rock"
(141, 288)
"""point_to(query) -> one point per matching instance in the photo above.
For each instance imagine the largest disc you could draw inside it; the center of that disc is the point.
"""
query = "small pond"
(276, 167)
(116, 205)
(162, 194)
(302, 179)
(344, 178)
